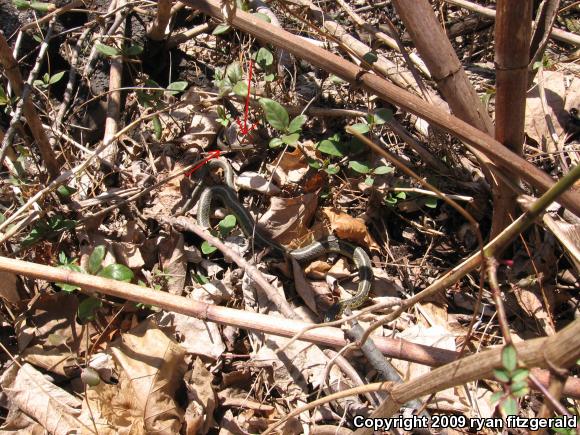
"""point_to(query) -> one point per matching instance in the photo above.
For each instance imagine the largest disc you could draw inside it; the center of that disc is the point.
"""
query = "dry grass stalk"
(391, 93)
(12, 72)
(512, 46)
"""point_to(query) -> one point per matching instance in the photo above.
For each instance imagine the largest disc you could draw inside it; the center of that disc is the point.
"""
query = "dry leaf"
(55, 409)
(199, 413)
(560, 98)
(287, 218)
(348, 228)
(151, 368)
(173, 261)
(8, 290)
(256, 182)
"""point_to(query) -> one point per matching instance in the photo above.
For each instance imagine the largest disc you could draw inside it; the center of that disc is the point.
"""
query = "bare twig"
(36, 23)
(157, 29)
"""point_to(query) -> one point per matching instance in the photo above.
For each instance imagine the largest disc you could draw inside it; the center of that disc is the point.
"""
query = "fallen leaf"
(287, 218)
(8, 290)
(348, 228)
(199, 412)
(256, 182)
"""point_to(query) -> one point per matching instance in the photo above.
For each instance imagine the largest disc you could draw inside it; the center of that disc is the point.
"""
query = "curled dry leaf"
(253, 181)
(348, 228)
(287, 218)
(291, 168)
(151, 366)
(199, 413)
(55, 409)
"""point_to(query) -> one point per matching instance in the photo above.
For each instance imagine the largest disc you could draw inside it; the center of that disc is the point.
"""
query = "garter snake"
(228, 197)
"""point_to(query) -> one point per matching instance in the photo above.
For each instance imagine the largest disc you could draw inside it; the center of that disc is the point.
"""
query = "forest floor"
(193, 336)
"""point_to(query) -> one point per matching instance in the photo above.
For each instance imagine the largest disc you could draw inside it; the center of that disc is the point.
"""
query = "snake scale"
(228, 197)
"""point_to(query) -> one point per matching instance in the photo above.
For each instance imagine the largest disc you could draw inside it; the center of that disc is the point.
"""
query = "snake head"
(332, 313)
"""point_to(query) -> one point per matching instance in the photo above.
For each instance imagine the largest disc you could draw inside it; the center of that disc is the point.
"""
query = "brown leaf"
(287, 218)
(348, 228)
(8, 290)
(199, 413)
(151, 367)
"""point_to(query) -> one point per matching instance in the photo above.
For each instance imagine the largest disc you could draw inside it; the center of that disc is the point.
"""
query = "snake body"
(229, 199)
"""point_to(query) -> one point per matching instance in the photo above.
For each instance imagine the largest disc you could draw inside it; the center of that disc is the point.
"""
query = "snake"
(331, 244)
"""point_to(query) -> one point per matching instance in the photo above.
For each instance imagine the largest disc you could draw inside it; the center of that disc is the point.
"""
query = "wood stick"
(512, 51)
(157, 30)
(34, 24)
(391, 93)
(558, 34)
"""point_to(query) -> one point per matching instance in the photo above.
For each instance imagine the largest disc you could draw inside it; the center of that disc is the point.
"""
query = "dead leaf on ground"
(151, 367)
(256, 182)
(173, 261)
(287, 218)
(560, 98)
(348, 228)
(199, 413)
(52, 407)
(8, 289)
(49, 336)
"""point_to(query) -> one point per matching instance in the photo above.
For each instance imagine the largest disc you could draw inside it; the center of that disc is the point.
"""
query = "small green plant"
(110, 51)
(393, 198)
(150, 96)
(48, 80)
(364, 169)
(225, 227)
(265, 60)
(231, 79)
(224, 117)
(514, 380)
(37, 6)
(118, 272)
(277, 117)
(48, 229)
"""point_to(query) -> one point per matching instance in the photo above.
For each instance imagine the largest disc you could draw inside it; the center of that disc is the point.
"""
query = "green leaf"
(73, 268)
(133, 50)
(241, 89)
(520, 375)
(21, 4)
(234, 72)
(262, 17)
(332, 169)
(227, 224)
(431, 202)
(401, 195)
(275, 142)
(56, 78)
(3, 98)
(118, 272)
(501, 375)
(157, 127)
(87, 308)
(313, 163)
(297, 123)
(96, 259)
(509, 358)
(336, 80)
(509, 406)
(369, 181)
(390, 200)
(207, 249)
(519, 389)
(276, 114)
(201, 279)
(220, 29)
(360, 128)
(40, 84)
(107, 50)
(330, 147)
(495, 397)
(42, 7)
(269, 77)
(264, 57)
(382, 170)
(176, 87)
(382, 115)
(370, 57)
(65, 191)
(359, 167)
(290, 139)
